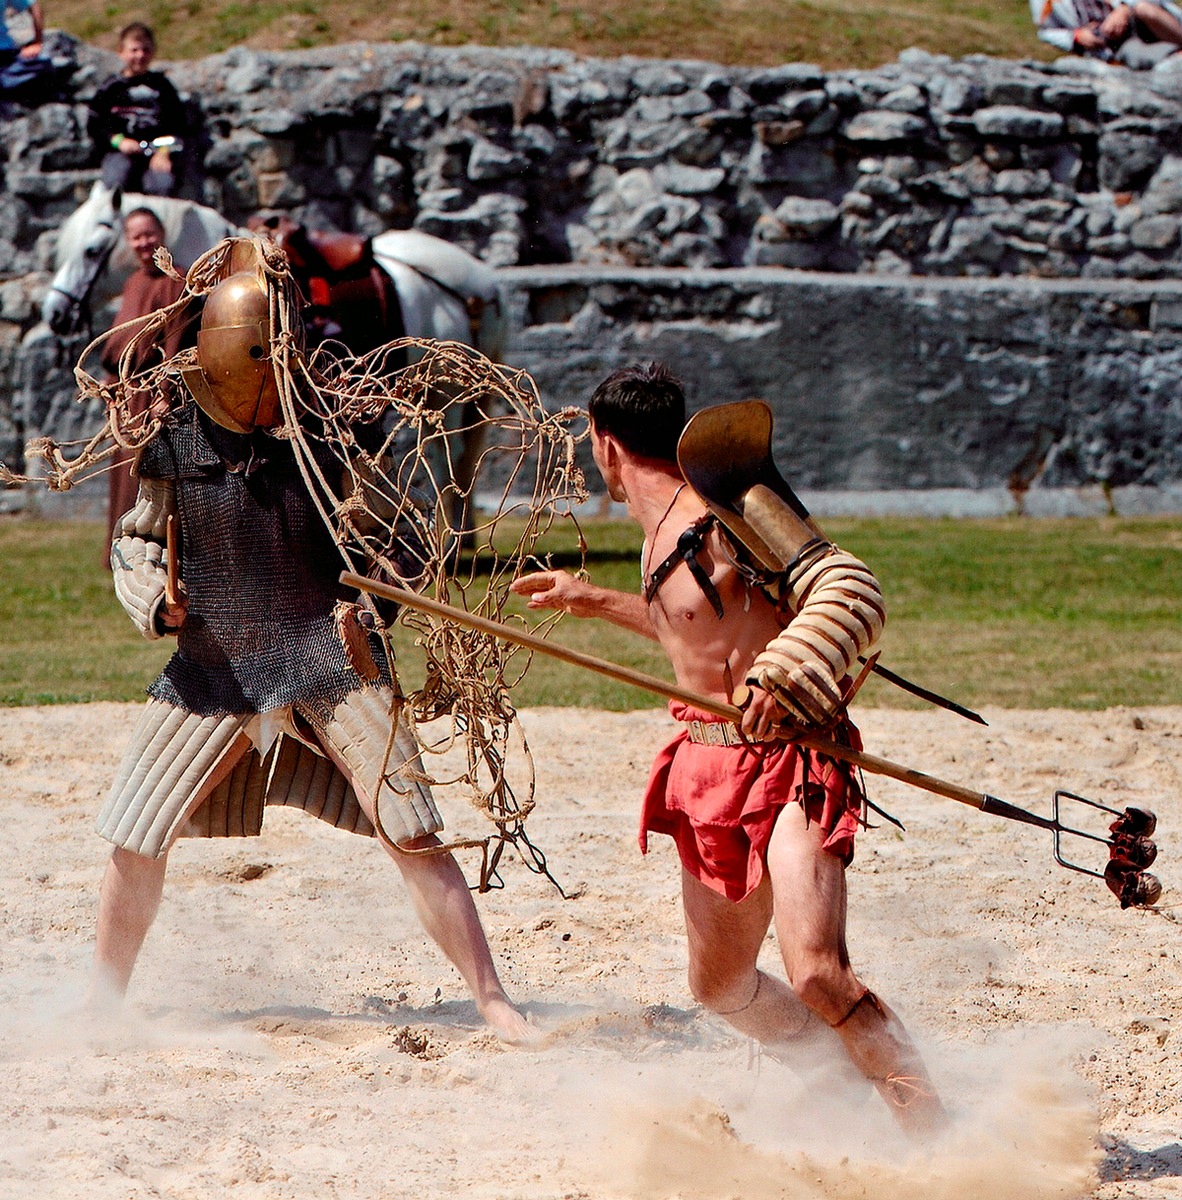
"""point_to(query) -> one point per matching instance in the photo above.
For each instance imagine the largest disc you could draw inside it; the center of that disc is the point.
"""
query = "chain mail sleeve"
(838, 614)
(139, 559)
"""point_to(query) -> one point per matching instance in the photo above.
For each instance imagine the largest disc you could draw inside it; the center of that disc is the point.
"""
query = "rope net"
(391, 455)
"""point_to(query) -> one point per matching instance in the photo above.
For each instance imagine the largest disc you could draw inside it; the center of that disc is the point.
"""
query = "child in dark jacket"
(131, 111)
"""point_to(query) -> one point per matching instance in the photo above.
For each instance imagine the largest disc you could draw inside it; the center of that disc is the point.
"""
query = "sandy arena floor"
(290, 1033)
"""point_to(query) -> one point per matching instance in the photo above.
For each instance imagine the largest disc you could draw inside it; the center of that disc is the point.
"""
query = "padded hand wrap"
(839, 615)
(139, 560)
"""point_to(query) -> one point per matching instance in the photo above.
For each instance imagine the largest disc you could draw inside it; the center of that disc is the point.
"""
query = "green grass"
(830, 33)
(1011, 613)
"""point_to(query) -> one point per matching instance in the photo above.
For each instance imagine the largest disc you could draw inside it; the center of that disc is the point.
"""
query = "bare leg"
(1165, 27)
(724, 941)
(130, 897)
(128, 902)
(810, 903)
(445, 907)
(448, 913)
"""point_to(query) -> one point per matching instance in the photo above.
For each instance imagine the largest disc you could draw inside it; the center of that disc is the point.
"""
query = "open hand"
(554, 589)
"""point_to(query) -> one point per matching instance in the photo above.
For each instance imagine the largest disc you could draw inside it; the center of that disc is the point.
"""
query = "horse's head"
(84, 245)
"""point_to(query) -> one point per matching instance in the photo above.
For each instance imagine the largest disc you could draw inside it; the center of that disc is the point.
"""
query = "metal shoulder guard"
(139, 560)
(725, 454)
(839, 615)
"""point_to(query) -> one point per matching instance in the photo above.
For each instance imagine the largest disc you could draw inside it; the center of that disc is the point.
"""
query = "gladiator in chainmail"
(260, 650)
(261, 570)
(261, 474)
(264, 469)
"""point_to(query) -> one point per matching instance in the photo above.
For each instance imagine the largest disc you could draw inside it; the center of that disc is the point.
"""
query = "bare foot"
(104, 997)
(509, 1024)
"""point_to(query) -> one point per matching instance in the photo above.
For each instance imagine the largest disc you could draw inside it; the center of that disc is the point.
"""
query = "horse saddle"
(352, 299)
(330, 253)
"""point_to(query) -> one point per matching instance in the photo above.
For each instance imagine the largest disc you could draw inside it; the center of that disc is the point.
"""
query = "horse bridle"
(78, 301)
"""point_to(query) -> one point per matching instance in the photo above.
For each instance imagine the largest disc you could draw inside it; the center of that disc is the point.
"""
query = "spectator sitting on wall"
(9, 50)
(132, 111)
(1135, 32)
(27, 73)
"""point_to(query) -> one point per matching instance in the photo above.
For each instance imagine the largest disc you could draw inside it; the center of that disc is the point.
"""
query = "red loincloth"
(720, 803)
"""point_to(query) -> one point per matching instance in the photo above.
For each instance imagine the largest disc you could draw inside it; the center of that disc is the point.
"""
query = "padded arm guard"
(839, 615)
(139, 559)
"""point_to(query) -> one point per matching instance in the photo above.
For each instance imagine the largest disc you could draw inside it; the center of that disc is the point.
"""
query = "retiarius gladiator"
(749, 599)
(261, 703)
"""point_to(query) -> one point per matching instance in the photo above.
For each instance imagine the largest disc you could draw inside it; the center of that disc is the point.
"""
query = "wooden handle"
(171, 590)
(671, 691)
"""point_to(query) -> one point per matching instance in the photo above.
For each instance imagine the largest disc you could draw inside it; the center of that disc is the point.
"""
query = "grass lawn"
(1013, 613)
(830, 33)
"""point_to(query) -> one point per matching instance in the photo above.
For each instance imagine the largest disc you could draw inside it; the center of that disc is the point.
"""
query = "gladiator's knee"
(825, 990)
(723, 997)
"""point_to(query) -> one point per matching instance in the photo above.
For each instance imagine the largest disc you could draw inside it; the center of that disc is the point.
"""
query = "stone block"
(802, 165)
(1154, 233)
(769, 85)
(1022, 182)
(1014, 121)
(882, 127)
(683, 180)
(779, 133)
(1128, 160)
(45, 185)
(274, 122)
(488, 161)
(805, 218)
(908, 98)
(276, 189)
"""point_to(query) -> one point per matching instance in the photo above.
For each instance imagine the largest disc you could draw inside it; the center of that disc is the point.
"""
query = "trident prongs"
(1130, 851)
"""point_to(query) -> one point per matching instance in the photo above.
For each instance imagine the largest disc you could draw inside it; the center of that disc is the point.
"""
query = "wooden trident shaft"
(671, 691)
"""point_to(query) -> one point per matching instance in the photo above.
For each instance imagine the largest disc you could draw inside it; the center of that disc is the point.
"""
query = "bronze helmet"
(234, 379)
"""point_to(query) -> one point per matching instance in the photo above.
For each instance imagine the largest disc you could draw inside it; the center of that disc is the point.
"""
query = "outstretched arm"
(562, 591)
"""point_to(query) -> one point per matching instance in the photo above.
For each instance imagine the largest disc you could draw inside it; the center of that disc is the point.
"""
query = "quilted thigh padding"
(358, 731)
(166, 766)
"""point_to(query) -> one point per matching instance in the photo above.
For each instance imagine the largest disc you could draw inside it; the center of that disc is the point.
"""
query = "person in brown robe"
(146, 291)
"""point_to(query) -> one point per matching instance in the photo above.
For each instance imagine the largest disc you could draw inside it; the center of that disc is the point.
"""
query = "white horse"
(94, 260)
(436, 281)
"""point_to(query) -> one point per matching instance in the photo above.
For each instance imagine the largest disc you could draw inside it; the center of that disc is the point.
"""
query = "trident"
(1130, 849)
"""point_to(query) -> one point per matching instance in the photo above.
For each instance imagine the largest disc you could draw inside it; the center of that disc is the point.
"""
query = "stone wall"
(926, 167)
(930, 165)
(953, 396)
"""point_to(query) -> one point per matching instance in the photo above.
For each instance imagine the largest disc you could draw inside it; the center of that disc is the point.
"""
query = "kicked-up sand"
(290, 1033)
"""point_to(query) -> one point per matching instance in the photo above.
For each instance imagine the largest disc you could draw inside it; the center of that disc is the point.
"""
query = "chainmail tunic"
(261, 572)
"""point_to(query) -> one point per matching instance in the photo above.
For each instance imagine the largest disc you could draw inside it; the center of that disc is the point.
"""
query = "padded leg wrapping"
(171, 756)
(358, 731)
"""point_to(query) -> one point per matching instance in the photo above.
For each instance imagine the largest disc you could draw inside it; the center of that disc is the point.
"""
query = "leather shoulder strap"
(689, 544)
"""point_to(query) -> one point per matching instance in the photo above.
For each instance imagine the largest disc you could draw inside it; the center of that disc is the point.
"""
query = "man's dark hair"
(138, 29)
(144, 212)
(643, 407)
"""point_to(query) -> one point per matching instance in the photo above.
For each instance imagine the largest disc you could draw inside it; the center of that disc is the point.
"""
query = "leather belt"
(714, 733)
